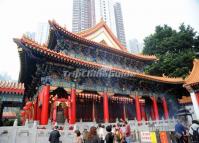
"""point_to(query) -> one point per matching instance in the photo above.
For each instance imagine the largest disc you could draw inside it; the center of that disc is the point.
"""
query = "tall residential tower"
(83, 14)
(119, 23)
(86, 13)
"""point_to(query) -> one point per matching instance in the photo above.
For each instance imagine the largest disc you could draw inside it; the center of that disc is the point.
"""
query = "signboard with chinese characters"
(145, 137)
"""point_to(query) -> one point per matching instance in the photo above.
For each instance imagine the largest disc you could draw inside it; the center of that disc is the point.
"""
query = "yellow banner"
(153, 137)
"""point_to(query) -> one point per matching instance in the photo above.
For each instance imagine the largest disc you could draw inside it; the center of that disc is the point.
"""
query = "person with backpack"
(180, 131)
(194, 131)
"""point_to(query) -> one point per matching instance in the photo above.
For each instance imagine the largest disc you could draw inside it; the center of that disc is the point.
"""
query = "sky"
(140, 19)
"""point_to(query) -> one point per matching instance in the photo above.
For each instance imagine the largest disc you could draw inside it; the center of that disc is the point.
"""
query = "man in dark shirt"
(54, 135)
(109, 136)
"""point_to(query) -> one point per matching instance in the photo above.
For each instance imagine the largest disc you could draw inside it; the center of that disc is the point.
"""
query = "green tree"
(174, 49)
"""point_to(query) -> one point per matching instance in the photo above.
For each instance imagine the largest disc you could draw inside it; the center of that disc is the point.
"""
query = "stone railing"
(33, 133)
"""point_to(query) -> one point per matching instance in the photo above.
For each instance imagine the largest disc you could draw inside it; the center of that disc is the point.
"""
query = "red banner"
(163, 137)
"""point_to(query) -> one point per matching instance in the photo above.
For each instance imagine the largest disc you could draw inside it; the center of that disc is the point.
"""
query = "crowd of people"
(119, 133)
(185, 134)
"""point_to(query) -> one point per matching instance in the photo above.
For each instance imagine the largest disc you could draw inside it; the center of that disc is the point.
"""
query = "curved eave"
(68, 59)
(193, 78)
(22, 73)
(120, 52)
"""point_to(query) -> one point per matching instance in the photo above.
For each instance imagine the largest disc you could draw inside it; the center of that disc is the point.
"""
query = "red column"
(45, 105)
(106, 112)
(165, 108)
(137, 107)
(69, 110)
(155, 107)
(73, 106)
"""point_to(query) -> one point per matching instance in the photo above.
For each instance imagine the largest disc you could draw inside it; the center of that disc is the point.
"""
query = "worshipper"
(109, 136)
(127, 132)
(85, 135)
(92, 136)
(101, 133)
(78, 138)
(180, 131)
(194, 131)
(54, 135)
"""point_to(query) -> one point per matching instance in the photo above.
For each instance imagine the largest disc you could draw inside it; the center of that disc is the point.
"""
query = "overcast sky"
(140, 19)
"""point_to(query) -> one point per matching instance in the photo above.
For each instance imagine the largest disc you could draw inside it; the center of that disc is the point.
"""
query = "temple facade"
(90, 76)
(11, 99)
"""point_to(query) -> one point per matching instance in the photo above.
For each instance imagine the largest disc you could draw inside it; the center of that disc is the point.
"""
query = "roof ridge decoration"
(53, 23)
(193, 77)
(54, 54)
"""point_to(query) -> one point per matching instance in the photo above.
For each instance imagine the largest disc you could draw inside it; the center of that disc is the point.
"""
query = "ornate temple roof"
(193, 78)
(82, 36)
(11, 87)
(66, 58)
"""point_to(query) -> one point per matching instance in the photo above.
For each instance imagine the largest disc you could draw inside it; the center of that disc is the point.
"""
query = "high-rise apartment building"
(83, 15)
(134, 46)
(86, 13)
(42, 33)
(119, 23)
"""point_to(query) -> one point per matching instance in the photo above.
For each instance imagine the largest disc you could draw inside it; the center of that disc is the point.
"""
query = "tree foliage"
(174, 49)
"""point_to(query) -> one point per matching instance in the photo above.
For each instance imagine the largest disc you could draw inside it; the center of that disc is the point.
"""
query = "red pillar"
(165, 108)
(137, 107)
(69, 110)
(45, 105)
(106, 112)
(155, 107)
(73, 106)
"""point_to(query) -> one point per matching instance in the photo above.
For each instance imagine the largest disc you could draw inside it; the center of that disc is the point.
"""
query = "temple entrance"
(89, 107)
(60, 115)
(123, 104)
(59, 105)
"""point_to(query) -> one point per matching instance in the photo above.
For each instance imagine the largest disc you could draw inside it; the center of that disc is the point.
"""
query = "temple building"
(192, 85)
(11, 99)
(90, 76)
